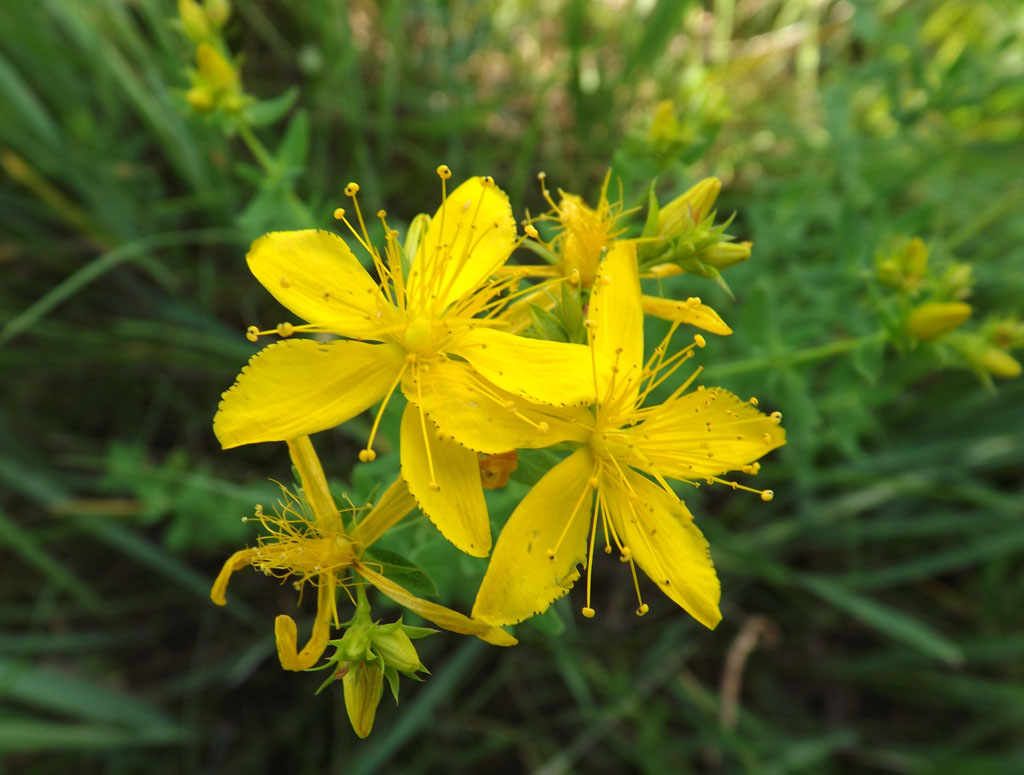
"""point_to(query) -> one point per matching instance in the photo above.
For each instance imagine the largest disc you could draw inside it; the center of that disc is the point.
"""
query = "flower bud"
(396, 649)
(688, 208)
(199, 98)
(722, 255)
(217, 11)
(214, 69)
(998, 363)
(363, 685)
(193, 20)
(935, 318)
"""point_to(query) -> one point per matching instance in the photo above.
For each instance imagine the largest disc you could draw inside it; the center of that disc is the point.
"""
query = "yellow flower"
(434, 324)
(691, 436)
(586, 234)
(320, 552)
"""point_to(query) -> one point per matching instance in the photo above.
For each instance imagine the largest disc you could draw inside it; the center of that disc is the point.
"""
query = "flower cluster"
(491, 358)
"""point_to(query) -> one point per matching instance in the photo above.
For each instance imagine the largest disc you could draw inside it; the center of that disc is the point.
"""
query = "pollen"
(444, 172)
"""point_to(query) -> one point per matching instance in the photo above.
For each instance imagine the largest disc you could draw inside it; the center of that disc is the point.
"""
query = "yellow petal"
(314, 484)
(666, 544)
(471, 235)
(615, 319)
(444, 478)
(299, 386)
(692, 312)
(286, 634)
(703, 434)
(392, 507)
(523, 579)
(315, 275)
(235, 562)
(549, 372)
(488, 419)
(438, 614)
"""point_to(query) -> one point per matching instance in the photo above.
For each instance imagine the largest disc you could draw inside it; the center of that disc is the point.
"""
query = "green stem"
(257, 148)
(795, 358)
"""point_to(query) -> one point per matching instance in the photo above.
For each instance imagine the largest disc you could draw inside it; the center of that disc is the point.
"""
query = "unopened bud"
(936, 318)
(397, 651)
(998, 363)
(215, 69)
(199, 98)
(363, 685)
(217, 11)
(688, 208)
(722, 255)
(193, 20)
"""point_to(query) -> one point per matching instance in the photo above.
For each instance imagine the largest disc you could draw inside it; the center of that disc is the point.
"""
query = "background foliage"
(872, 610)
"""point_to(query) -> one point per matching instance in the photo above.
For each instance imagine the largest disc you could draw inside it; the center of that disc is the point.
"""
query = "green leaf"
(402, 570)
(895, 624)
(270, 111)
(547, 325)
(293, 151)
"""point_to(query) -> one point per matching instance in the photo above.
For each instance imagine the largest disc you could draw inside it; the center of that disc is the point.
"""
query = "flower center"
(418, 336)
(610, 444)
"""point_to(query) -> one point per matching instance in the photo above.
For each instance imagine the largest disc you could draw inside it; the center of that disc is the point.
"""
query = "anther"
(699, 340)
(588, 612)
(444, 172)
(367, 456)
(339, 213)
(543, 427)
(753, 400)
(644, 608)
(487, 180)
(252, 333)
(767, 438)
(352, 189)
(382, 213)
(551, 554)
(767, 495)
(531, 231)
(284, 282)
(776, 417)
(541, 175)
(627, 554)
(593, 482)
(284, 330)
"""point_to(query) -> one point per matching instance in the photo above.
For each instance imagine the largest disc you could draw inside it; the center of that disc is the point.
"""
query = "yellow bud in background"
(200, 98)
(194, 21)
(214, 69)
(725, 254)
(998, 363)
(217, 11)
(915, 259)
(687, 208)
(363, 685)
(664, 124)
(936, 318)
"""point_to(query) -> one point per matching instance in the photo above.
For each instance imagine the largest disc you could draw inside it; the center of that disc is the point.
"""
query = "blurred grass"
(887, 568)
